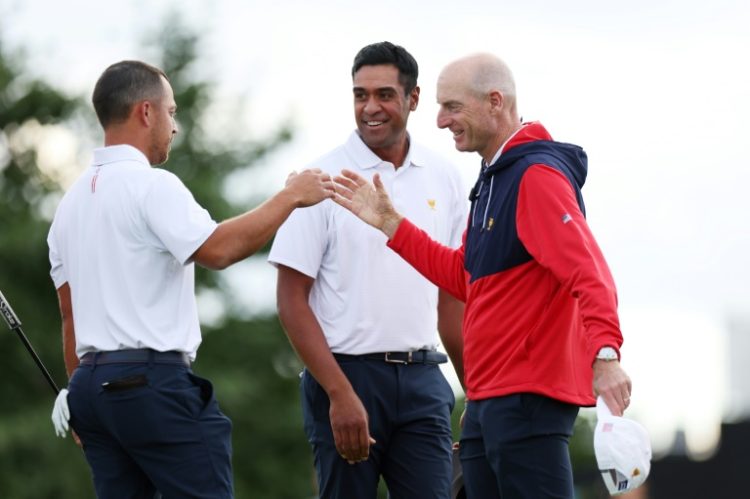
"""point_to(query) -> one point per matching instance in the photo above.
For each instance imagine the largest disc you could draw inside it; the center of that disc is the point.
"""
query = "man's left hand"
(61, 413)
(613, 384)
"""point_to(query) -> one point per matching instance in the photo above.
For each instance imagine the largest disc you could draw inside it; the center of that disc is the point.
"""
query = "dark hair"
(388, 53)
(122, 85)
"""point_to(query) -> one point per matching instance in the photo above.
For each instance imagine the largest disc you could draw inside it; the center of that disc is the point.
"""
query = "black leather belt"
(136, 356)
(413, 357)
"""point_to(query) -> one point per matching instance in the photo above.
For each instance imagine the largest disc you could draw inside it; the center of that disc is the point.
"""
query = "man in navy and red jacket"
(540, 326)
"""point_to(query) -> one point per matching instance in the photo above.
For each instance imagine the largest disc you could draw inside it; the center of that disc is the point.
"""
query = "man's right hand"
(350, 427)
(368, 201)
(309, 187)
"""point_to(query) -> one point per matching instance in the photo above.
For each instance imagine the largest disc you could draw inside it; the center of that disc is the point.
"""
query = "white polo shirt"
(365, 297)
(121, 237)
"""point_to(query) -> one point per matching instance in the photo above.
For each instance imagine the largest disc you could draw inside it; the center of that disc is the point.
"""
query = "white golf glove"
(61, 413)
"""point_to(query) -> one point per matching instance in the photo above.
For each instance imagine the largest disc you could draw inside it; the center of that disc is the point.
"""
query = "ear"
(143, 113)
(497, 99)
(414, 99)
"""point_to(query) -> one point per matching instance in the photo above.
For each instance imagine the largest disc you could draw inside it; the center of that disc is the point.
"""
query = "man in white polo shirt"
(364, 323)
(122, 247)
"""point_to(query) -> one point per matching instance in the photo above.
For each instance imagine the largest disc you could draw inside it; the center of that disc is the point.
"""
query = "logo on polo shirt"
(431, 203)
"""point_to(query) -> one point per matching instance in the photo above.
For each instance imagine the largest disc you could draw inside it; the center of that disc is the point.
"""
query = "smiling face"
(467, 115)
(381, 110)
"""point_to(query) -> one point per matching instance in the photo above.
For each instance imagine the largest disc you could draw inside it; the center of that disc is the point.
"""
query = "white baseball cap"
(623, 450)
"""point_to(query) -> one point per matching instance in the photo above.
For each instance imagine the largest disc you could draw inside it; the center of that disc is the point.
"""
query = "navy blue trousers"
(409, 409)
(516, 447)
(166, 434)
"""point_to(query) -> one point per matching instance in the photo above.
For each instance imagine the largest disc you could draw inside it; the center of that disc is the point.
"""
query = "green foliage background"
(249, 361)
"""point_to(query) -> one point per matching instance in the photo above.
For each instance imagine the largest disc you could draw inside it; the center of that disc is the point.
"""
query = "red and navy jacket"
(540, 300)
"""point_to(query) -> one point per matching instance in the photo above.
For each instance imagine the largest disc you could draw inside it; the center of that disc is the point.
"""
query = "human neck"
(394, 153)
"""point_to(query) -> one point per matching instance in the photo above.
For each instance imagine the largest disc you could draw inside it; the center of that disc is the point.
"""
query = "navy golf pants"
(409, 407)
(163, 434)
(516, 447)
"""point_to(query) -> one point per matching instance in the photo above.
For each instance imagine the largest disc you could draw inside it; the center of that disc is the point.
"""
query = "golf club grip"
(8, 314)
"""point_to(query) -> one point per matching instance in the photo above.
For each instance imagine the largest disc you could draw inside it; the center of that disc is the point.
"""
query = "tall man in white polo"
(364, 322)
(122, 247)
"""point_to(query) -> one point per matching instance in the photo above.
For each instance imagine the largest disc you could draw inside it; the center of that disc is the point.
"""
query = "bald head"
(481, 74)
(477, 98)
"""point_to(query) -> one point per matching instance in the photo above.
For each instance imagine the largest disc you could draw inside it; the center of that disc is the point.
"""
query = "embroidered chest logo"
(93, 180)
(490, 223)
(432, 204)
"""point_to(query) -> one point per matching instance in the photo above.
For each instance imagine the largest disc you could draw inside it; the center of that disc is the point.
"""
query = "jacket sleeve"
(442, 265)
(554, 231)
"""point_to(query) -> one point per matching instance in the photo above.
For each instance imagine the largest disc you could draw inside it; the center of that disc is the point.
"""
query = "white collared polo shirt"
(365, 297)
(122, 238)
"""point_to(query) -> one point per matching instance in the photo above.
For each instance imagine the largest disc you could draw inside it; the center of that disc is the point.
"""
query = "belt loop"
(95, 361)
(151, 359)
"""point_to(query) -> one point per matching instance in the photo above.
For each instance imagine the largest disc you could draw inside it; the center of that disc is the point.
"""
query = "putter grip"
(8, 314)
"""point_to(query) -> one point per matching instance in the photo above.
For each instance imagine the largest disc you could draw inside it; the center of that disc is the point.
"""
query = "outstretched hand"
(366, 200)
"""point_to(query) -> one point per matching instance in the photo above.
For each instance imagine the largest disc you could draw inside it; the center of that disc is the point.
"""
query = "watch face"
(607, 353)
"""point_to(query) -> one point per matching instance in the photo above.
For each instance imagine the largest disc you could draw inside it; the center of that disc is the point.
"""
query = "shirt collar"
(365, 158)
(500, 150)
(121, 152)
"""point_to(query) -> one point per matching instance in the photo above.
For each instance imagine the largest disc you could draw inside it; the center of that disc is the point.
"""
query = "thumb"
(378, 183)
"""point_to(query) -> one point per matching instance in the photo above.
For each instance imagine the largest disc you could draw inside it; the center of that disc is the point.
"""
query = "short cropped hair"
(121, 86)
(388, 53)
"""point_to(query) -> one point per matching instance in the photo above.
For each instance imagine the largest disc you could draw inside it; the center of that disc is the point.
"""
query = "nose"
(372, 106)
(442, 120)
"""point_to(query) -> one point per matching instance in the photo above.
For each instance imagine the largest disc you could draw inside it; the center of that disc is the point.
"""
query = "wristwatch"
(607, 353)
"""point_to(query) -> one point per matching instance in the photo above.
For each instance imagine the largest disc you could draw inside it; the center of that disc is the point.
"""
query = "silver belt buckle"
(397, 361)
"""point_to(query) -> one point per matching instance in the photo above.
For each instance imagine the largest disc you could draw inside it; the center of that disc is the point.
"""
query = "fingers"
(613, 384)
(353, 444)
(353, 177)
(350, 428)
(65, 409)
(61, 414)
(378, 183)
(76, 439)
(616, 407)
(328, 186)
(617, 398)
(345, 184)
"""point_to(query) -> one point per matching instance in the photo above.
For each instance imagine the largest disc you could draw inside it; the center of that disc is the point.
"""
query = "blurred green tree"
(250, 362)
(32, 462)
